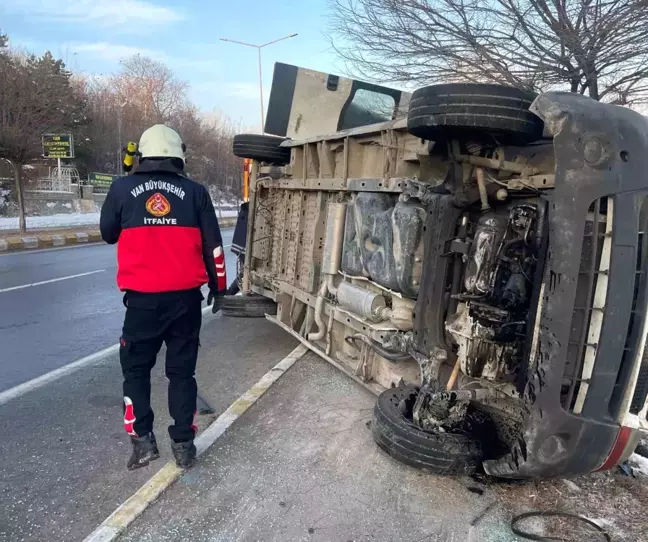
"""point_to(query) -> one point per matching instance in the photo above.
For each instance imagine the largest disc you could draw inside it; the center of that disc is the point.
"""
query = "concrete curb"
(33, 242)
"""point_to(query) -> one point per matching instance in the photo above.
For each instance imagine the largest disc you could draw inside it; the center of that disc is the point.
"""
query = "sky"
(93, 35)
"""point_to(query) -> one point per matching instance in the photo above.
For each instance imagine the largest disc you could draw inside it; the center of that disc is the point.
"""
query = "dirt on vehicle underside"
(478, 244)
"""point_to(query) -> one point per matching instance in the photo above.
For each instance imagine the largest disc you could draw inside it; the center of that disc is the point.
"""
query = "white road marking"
(132, 508)
(23, 286)
(47, 378)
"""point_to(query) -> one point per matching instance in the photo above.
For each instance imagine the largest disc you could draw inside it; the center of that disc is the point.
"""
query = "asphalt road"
(46, 326)
(63, 450)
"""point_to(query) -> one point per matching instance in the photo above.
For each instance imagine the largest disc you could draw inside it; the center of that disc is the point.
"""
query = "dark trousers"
(151, 319)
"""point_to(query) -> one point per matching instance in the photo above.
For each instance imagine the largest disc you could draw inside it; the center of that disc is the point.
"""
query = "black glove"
(215, 299)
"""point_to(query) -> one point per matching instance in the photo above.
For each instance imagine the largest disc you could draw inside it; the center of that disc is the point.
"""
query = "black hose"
(552, 513)
(389, 355)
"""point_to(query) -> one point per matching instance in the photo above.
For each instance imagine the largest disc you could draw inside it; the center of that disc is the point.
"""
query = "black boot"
(145, 450)
(184, 453)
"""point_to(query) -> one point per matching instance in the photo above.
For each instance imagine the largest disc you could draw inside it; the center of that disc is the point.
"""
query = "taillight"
(617, 450)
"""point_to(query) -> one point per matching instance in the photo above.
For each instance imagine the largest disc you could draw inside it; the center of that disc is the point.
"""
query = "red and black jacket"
(168, 234)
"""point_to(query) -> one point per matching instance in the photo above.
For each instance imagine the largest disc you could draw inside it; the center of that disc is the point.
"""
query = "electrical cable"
(552, 513)
(492, 179)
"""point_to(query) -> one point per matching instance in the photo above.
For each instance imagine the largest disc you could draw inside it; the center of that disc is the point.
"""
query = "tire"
(437, 453)
(476, 111)
(248, 306)
(263, 148)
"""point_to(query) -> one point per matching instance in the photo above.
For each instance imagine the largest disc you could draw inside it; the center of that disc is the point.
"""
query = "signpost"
(58, 146)
(103, 180)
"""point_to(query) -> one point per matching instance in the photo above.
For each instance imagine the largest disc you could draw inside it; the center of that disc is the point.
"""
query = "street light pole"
(119, 135)
(259, 47)
(261, 93)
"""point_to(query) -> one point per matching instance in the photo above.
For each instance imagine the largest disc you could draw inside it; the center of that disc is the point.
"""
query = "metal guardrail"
(54, 184)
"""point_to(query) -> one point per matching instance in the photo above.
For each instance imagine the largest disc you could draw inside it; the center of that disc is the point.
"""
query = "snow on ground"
(639, 464)
(70, 220)
(53, 221)
(227, 214)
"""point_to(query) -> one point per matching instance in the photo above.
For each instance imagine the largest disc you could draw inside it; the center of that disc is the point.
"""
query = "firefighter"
(168, 246)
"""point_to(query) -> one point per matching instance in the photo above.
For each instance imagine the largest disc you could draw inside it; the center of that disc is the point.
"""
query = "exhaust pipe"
(331, 259)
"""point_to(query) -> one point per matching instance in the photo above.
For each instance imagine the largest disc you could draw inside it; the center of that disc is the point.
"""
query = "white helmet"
(160, 141)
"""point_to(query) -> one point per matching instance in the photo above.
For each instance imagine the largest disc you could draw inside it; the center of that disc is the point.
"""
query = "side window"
(367, 107)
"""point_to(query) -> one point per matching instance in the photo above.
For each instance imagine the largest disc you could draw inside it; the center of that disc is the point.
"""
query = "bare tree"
(150, 86)
(38, 95)
(209, 150)
(594, 47)
(34, 98)
(105, 113)
(146, 93)
(122, 106)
